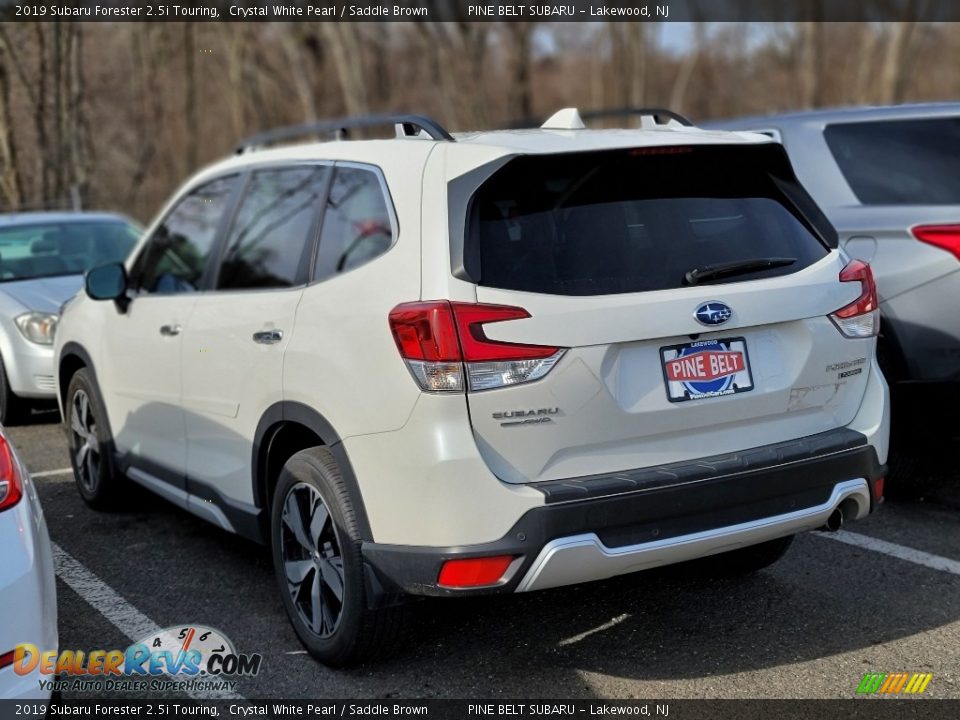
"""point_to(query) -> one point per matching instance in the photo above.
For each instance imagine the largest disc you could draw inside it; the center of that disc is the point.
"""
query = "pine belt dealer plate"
(706, 369)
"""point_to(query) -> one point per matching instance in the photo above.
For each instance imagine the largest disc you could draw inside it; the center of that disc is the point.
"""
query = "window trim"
(391, 212)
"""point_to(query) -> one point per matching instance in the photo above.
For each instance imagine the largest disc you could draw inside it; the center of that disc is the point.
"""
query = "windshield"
(63, 248)
(640, 220)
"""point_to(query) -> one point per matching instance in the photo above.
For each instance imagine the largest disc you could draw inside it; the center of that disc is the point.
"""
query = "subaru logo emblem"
(713, 313)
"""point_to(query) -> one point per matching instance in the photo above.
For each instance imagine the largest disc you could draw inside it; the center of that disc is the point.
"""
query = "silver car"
(888, 178)
(43, 257)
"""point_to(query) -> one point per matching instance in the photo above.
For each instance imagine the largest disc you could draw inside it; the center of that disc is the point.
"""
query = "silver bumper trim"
(583, 558)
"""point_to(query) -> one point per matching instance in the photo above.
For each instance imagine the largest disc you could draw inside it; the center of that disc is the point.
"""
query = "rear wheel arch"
(285, 429)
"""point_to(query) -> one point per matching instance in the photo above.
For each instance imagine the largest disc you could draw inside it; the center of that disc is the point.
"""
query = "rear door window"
(635, 221)
(271, 238)
(899, 162)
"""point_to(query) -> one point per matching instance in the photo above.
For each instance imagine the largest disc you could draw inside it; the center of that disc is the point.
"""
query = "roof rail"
(406, 126)
(658, 114)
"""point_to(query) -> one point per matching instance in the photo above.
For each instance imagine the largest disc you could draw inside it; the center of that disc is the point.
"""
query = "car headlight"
(38, 327)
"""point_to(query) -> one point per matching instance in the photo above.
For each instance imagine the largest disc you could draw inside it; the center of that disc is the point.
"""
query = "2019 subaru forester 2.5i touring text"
(495, 362)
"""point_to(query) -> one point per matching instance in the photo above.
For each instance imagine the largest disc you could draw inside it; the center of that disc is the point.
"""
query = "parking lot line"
(51, 473)
(121, 614)
(901, 552)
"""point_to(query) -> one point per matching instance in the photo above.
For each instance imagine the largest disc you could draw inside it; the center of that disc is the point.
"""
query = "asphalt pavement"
(883, 597)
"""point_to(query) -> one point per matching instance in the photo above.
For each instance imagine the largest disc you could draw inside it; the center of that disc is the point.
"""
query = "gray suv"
(889, 180)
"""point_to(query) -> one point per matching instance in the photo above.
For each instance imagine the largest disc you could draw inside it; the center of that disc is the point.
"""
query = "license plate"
(706, 369)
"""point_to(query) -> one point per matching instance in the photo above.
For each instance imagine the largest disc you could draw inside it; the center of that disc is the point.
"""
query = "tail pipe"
(835, 521)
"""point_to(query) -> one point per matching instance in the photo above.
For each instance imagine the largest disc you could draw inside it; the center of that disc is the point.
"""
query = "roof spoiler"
(567, 119)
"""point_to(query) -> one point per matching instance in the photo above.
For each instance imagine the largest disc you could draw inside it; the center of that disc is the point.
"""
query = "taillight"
(861, 318)
(444, 345)
(474, 572)
(427, 339)
(945, 237)
(11, 486)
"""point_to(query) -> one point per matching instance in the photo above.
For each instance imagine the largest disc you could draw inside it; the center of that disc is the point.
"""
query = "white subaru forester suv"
(495, 362)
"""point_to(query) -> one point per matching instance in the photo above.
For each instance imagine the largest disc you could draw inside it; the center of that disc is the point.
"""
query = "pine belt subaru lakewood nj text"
(495, 362)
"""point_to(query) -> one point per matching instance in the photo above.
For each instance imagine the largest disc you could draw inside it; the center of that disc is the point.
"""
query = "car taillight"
(945, 237)
(474, 572)
(445, 347)
(861, 318)
(6, 659)
(11, 486)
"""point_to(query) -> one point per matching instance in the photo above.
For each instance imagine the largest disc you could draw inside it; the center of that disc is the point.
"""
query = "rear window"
(628, 221)
(899, 162)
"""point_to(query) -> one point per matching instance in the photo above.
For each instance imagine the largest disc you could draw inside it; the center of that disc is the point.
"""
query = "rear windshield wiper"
(741, 267)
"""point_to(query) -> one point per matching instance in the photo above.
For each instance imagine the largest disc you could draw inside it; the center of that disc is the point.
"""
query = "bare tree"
(897, 62)
(519, 87)
(145, 87)
(811, 62)
(348, 53)
(190, 96)
(687, 67)
(9, 171)
(295, 39)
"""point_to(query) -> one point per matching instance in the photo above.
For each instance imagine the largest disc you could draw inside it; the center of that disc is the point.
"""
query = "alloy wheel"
(312, 560)
(86, 447)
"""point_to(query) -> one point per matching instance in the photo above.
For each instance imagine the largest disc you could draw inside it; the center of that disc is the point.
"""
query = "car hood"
(43, 294)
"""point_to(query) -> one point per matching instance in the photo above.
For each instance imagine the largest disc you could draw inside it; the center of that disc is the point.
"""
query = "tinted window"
(272, 234)
(625, 221)
(900, 162)
(175, 257)
(356, 222)
(63, 248)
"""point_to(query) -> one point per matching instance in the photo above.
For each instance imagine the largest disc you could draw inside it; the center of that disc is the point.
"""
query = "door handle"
(268, 337)
(170, 330)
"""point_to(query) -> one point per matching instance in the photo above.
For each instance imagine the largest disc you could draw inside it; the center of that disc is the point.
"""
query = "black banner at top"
(482, 10)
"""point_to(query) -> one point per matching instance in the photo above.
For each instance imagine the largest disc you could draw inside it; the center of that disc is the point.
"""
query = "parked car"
(888, 180)
(42, 260)
(28, 590)
(490, 363)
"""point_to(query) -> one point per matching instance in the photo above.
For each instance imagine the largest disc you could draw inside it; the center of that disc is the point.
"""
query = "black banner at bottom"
(859, 708)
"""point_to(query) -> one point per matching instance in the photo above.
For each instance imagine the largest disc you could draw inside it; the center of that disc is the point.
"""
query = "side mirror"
(107, 282)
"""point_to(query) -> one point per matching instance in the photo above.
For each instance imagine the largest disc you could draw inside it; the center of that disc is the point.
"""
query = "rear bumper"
(597, 527)
(582, 558)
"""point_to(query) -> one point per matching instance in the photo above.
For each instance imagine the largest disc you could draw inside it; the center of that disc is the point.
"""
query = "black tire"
(744, 561)
(94, 468)
(14, 410)
(315, 539)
